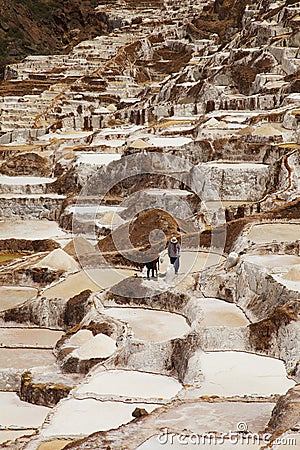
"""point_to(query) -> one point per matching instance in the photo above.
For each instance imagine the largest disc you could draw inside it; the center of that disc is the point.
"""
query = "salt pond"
(131, 383)
(238, 373)
(30, 229)
(88, 415)
(270, 261)
(151, 325)
(201, 417)
(15, 413)
(220, 313)
(279, 232)
(33, 337)
(16, 358)
(93, 279)
(11, 296)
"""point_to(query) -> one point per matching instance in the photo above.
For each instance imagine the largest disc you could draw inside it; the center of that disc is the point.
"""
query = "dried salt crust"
(98, 159)
(151, 325)
(131, 383)
(88, 416)
(15, 413)
(232, 373)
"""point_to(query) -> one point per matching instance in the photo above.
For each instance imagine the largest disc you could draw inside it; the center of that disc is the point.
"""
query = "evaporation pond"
(13, 296)
(150, 324)
(82, 417)
(131, 383)
(20, 358)
(238, 373)
(279, 232)
(33, 337)
(93, 279)
(220, 313)
(14, 413)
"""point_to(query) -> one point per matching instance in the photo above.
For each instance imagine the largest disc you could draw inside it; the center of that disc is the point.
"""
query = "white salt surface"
(29, 337)
(25, 180)
(80, 338)
(272, 261)
(169, 141)
(201, 417)
(151, 325)
(279, 232)
(185, 441)
(20, 358)
(30, 229)
(93, 279)
(13, 296)
(220, 313)
(239, 373)
(17, 414)
(100, 346)
(82, 417)
(131, 384)
(59, 260)
(99, 159)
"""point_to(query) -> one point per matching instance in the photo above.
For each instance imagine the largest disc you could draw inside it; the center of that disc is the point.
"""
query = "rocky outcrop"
(286, 414)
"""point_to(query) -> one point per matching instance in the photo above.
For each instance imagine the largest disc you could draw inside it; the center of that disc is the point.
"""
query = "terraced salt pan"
(12, 435)
(193, 261)
(20, 181)
(98, 159)
(131, 384)
(87, 416)
(93, 279)
(15, 413)
(279, 232)
(169, 141)
(220, 313)
(33, 337)
(201, 417)
(20, 358)
(151, 325)
(94, 209)
(30, 229)
(14, 296)
(184, 441)
(240, 373)
(271, 261)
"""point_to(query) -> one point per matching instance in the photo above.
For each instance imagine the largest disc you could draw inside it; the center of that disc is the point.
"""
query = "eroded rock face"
(286, 414)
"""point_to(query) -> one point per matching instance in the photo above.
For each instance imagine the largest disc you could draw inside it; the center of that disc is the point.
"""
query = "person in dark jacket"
(174, 253)
(152, 265)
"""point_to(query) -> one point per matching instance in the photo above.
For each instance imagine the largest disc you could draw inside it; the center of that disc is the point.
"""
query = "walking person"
(152, 265)
(174, 253)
